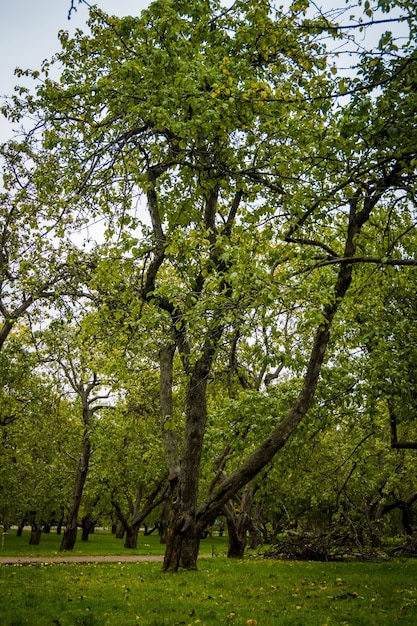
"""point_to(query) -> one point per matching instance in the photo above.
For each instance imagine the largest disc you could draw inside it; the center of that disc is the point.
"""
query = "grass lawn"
(99, 543)
(250, 591)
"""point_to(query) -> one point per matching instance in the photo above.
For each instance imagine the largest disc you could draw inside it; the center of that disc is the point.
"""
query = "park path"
(50, 560)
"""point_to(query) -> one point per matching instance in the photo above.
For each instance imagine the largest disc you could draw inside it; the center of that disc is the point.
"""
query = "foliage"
(33, 465)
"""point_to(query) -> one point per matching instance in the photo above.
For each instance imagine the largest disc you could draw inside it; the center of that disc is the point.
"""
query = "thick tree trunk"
(239, 524)
(169, 435)
(237, 544)
(131, 540)
(405, 520)
(35, 535)
(69, 538)
(183, 538)
(182, 545)
(70, 533)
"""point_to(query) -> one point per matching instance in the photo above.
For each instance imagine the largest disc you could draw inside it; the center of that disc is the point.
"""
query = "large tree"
(262, 184)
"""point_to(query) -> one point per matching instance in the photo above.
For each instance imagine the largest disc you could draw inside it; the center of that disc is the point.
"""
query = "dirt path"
(28, 560)
(50, 560)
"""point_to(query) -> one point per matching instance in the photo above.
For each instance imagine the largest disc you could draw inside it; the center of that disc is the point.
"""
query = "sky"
(28, 35)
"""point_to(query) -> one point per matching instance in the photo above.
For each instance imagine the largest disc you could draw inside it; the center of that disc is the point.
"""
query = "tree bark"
(131, 540)
(183, 538)
(238, 524)
(120, 531)
(60, 523)
(164, 523)
(35, 535)
(169, 435)
(36, 532)
(70, 533)
(87, 525)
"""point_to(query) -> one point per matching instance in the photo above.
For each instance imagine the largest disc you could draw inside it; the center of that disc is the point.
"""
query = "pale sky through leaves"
(29, 34)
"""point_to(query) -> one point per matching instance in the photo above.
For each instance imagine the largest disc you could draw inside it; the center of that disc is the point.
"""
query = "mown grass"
(253, 590)
(220, 592)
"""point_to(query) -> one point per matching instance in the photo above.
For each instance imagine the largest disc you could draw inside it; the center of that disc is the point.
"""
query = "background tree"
(33, 464)
(77, 361)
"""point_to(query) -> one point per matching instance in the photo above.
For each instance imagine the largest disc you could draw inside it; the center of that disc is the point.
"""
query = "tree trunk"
(182, 545)
(59, 526)
(238, 525)
(132, 537)
(87, 525)
(183, 539)
(35, 535)
(120, 531)
(69, 538)
(70, 533)
(169, 435)
(405, 519)
(255, 533)
(237, 543)
(164, 523)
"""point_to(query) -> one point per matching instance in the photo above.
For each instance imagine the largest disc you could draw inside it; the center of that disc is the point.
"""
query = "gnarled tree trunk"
(239, 523)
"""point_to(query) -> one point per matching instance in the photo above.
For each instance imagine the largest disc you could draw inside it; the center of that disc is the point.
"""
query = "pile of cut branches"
(321, 546)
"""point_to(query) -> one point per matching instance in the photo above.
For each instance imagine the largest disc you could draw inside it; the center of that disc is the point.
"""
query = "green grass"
(100, 543)
(220, 592)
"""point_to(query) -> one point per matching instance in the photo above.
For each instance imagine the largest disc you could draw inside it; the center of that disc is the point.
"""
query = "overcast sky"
(28, 34)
